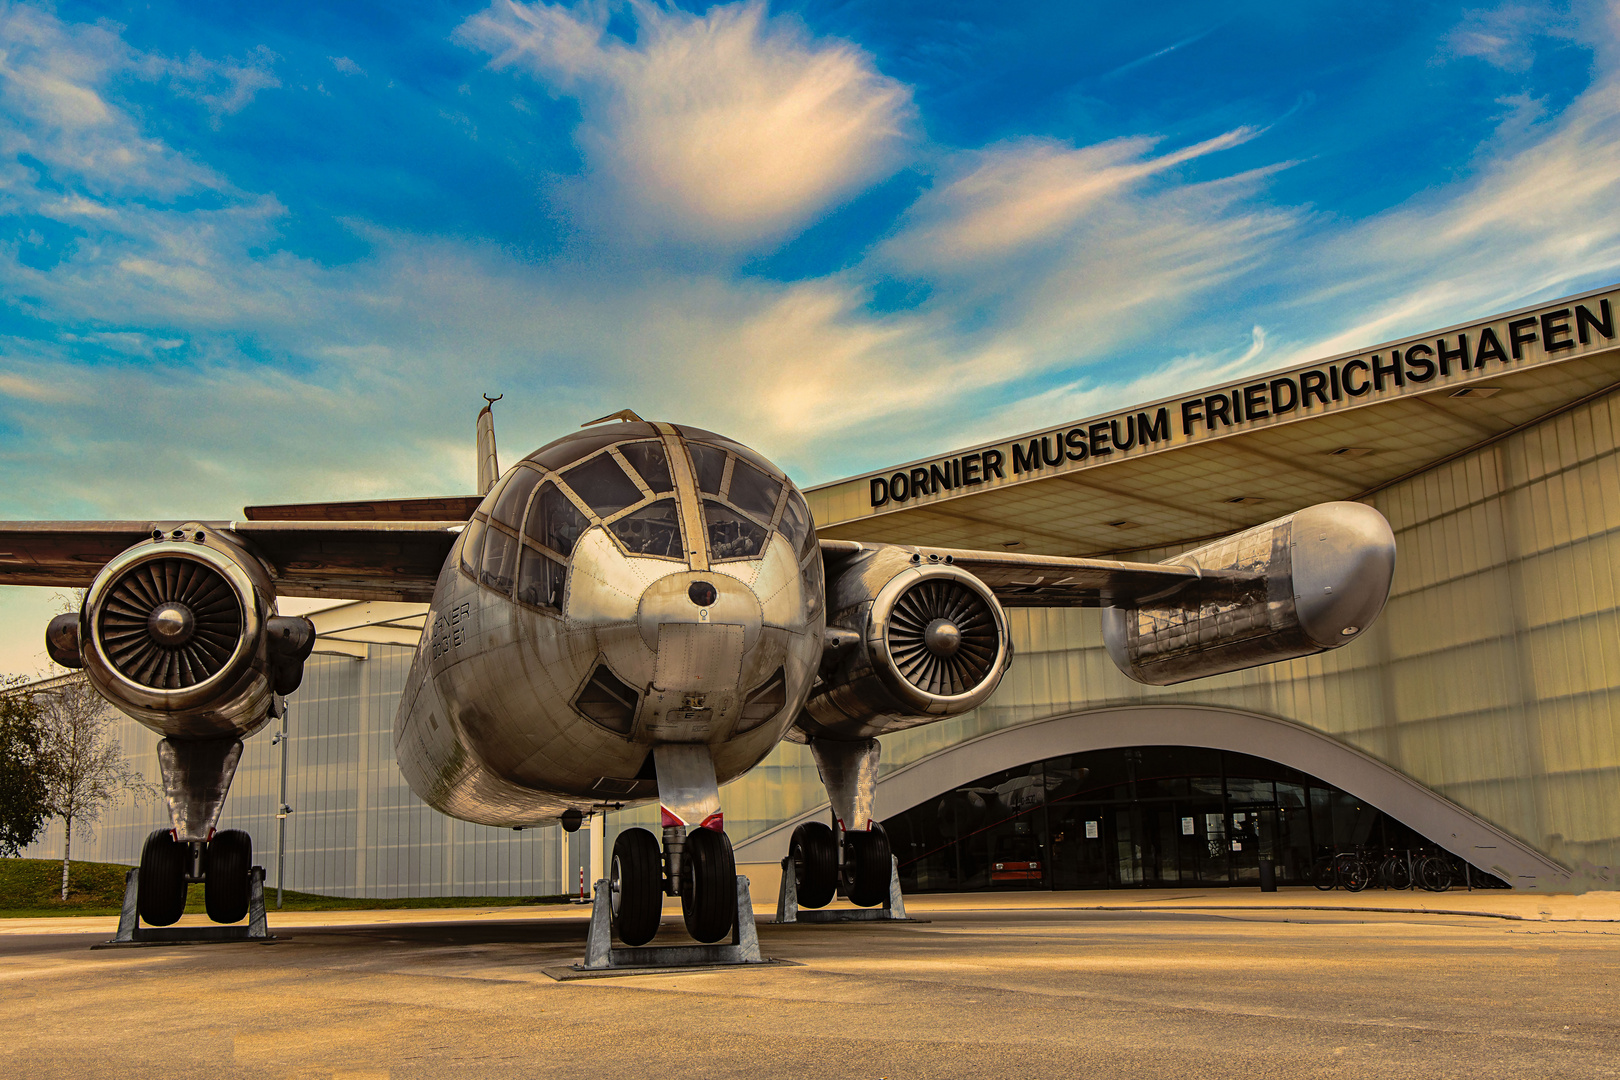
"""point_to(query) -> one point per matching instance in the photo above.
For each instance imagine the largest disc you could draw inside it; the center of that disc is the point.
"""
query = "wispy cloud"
(728, 127)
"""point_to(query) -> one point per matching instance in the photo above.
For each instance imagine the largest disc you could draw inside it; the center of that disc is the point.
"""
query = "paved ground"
(1180, 984)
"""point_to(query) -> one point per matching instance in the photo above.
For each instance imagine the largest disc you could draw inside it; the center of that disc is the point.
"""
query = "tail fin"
(489, 467)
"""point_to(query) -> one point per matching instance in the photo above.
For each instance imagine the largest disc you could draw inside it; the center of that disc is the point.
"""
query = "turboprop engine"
(909, 641)
(1319, 579)
(181, 633)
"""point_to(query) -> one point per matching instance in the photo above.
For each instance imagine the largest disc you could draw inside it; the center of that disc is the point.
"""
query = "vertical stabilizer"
(489, 468)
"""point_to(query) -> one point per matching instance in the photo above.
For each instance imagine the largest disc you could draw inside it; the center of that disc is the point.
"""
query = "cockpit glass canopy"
(570, 448)
(753, 491)
(648, 459)
(514, 495)
(655, 529)
(710, 463)
(554, 521)
(602, 483)
(731, 535)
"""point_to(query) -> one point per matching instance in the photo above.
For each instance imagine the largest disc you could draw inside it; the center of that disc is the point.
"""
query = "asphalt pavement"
(1165, 986)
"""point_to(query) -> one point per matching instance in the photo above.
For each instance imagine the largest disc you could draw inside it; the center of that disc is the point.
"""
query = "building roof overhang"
(1172, 472)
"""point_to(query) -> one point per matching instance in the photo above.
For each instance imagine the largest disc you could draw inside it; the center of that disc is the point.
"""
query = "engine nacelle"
(1323, 575)
(910, 642)
(181, 633)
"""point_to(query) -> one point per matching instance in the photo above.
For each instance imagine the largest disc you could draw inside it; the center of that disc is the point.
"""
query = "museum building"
(1479, 718)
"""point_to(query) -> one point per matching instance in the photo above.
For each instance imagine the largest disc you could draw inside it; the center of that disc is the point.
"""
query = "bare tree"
(85, 766)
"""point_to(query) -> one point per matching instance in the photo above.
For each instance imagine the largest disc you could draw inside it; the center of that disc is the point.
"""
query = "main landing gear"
(224, 865)
(862, 875)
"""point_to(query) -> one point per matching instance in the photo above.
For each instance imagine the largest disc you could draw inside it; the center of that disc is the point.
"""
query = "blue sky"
(276, 252)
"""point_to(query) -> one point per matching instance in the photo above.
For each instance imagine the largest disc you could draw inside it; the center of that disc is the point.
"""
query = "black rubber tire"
(708, 885)
(162, 879)
(1355, 875)
(868, 860)
(227, 884)
(1396, 873)
(1435, 874)
(815, 864)
(636, 884)
(1322, 874)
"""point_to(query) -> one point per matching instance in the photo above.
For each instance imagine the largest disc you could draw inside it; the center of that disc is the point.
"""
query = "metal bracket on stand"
(132, 933)
(789, 911)
(601, 958)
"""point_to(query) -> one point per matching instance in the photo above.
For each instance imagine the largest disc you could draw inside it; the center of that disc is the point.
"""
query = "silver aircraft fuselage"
(628, 586)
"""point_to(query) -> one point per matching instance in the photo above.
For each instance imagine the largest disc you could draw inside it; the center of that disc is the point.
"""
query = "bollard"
(1268, 876)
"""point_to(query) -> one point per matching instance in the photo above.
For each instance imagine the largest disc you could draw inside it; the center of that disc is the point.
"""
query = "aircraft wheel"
(635, 886)
(866, 855)
(227, 884)
(815, 864)
(709, 885)
(162, 879)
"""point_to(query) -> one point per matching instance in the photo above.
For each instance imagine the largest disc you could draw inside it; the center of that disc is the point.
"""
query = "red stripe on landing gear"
(668, 820)
(715, 821)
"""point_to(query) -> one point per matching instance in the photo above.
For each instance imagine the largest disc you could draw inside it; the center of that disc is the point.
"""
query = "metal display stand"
(132, 933)
(788, 910)
(601, 957)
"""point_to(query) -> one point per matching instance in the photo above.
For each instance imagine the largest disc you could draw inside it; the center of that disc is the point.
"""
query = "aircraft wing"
(352, 560)
(1060, 581)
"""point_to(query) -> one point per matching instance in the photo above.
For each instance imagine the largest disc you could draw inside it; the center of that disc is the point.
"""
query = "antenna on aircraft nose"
(623, 414)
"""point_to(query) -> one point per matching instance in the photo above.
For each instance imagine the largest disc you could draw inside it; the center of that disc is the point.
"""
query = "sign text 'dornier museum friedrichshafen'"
(1452, 357)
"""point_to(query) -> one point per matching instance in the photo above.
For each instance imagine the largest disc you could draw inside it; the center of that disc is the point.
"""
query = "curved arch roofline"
(1446, 824)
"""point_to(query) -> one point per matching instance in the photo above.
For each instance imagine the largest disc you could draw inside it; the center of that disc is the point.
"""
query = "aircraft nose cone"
(171, 624)
(700, 599)
(942, 637)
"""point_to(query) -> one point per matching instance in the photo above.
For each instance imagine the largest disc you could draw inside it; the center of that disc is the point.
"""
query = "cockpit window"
(554, 521)
(500, 559)
(795, 524)
(711, 467)
(655, 529)
(753, 491)
(514, 496)
(731, 535)
(603, 485)
(570, 448)
(472, 546)
(648, 459)
(542, 581)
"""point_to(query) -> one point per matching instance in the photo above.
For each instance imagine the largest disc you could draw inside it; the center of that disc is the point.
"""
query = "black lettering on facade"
(1216, 407)
(1191, 409)
(1521, 332)
(1155, 429)
(1419, 368)
(1584, 319)
(1313, 384)
(1353, 365)
(970, 469)
(919, 483)
(1237, 407)
(956, 471)
(1130, 433)
(992, 464)
(1099, 439)
(899, 487)
(1254, 401)
(1448, 355)
(1333, 377)
(1392, 368)
(1052, 449)
(1026, 459)
(1075, 440)
(880, 491)
(1279, 405)
(1490, 348)
(939, 479)
(1555, 331)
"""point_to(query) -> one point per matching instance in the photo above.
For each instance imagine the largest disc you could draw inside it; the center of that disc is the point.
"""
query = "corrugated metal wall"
(355, 829)
(1493, 677)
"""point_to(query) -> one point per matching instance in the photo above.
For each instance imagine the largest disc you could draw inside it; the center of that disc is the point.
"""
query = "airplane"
(637, 611)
